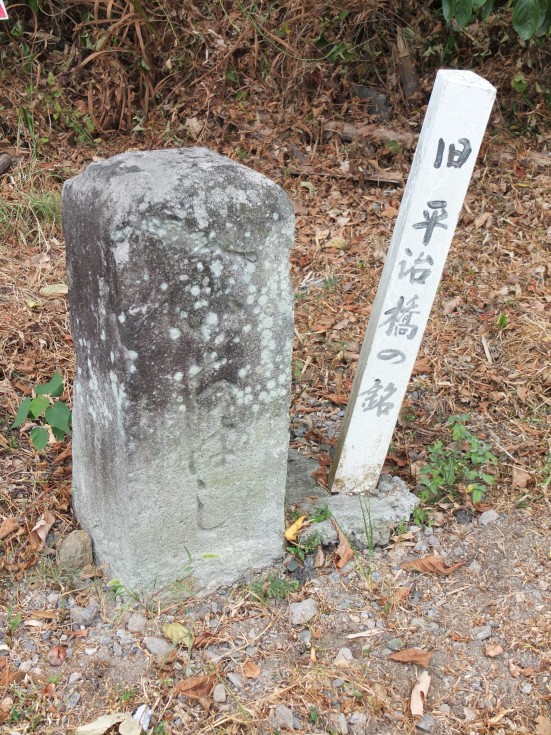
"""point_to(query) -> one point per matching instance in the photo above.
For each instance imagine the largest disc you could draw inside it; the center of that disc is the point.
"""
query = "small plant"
(420, 517)
(274, 587)
(125, 694)
(401, 528)
(13, 621)
(502, 321)
(320, 514)
(314, 716)
(461, 463)
(331, 283)
(529, 18)
(49, 412)
(303, 548)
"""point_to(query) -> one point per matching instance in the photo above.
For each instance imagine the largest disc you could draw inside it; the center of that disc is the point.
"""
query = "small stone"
(526, 689)
(395, 644)
(426, 723)
(25, 666)
(475, 567)
(84, 615)
(302, 612)
(143, 716)
(90, 651)
(282, 718)
(73, 700)
(325, 531)
(445, 708)
(341, 724)
(157, 646)
(117, 649)
(337, 683)
(343, 657)
(489, 516)
(357, 723)
(136, 623)
(219, 693)
(235, 680)
(305, 636)
(75, 676)
(53, 598)
(482, 634)
(75, 551)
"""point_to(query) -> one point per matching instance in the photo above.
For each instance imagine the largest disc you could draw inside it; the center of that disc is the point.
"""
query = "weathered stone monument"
(182, 317)
(452, 133)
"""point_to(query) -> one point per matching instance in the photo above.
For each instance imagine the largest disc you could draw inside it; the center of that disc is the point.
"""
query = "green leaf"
(58, 416)
(53, 387)
(526, 18)
(231, 75)
(486, 9)
(38, 405)
(448, 9)
(519, 82)
(463, 12)
(545, 18)
(488, 479)
(39, 437)
(22, 413)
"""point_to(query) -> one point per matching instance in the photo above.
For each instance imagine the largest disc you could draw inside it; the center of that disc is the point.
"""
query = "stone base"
(366, 520)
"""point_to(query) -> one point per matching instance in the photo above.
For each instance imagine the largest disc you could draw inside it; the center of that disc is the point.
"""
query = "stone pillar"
(182, 320)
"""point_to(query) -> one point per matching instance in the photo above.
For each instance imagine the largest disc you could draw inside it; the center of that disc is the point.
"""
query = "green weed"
(318, 515)
(305, 547)
(13, 621)
(460, 464)
(50, 413)
(274, 587)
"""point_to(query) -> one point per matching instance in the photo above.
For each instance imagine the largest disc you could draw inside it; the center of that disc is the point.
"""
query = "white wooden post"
(442, 167)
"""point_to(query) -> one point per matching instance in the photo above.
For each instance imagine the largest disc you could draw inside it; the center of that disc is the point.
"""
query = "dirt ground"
(251, 659)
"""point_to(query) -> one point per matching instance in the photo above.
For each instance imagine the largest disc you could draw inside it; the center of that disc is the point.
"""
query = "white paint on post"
(442, 167)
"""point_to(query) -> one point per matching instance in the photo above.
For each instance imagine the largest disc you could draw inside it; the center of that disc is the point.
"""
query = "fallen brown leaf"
(37, 536)
(521, 478)
(321, 476)
(8, 525)
(205, 638)
(197, 687)
(57, 655)
(343, 552)
(10, 676)
(341, 399)
(411, 656)
(431, 565)
(493, 649)
(419, 694)
(251, 670)
(78, 633)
